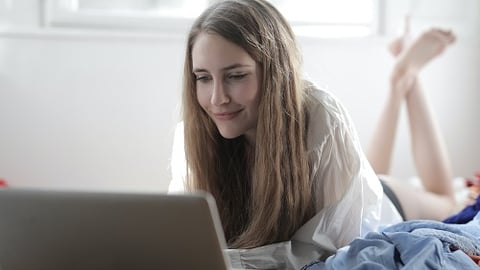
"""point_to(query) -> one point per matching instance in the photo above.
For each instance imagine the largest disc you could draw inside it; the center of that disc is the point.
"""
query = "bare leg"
(430, 156)
(436, 201)
(380, 150)
(429, 151)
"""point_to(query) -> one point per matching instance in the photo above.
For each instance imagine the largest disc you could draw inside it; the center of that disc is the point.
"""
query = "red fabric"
(3, 183)
(476, 259)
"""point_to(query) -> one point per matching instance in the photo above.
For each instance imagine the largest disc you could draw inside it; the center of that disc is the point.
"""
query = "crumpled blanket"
(419, 244)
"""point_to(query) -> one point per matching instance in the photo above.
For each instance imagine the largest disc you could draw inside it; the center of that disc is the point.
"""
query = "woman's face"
(227, 82)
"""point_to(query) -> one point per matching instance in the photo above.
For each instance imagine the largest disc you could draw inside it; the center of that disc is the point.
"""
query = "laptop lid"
(58, 230)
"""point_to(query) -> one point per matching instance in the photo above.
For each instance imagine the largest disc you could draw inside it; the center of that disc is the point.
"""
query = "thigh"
(418, 203)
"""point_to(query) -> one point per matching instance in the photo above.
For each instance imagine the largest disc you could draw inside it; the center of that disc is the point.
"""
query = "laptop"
(82, 230)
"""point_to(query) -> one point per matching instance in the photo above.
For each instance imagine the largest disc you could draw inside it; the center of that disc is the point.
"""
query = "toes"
(396, 47)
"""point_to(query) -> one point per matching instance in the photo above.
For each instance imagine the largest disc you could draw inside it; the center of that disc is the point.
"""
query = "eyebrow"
(223, 69)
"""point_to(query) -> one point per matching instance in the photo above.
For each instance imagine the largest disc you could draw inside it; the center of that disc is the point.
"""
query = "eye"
(202, 77)
(237, 76)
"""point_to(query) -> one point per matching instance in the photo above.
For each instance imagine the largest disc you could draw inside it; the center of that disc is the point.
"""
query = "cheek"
(251, 93)
(203, 97)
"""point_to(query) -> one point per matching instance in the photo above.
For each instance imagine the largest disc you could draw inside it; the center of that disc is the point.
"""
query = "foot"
(410, 62)
(429, 45)
(397, 45)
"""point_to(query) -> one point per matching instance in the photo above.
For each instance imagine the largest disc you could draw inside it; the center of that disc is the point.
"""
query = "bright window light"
(330, 18)
(318, 18)
(166, 8)
(327, 11)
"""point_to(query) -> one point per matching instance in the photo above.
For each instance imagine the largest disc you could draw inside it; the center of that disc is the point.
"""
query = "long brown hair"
(263, 191)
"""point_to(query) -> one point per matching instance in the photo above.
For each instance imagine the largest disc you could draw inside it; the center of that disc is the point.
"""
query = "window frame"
(58, 14)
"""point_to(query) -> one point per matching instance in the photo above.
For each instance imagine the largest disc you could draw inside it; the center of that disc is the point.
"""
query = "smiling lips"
(226, 115)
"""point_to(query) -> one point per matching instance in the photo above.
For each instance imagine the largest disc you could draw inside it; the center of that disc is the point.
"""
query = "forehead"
(212, 51)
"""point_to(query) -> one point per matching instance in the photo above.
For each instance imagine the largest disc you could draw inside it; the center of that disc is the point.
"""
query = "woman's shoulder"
(322, 102)
(327, 117)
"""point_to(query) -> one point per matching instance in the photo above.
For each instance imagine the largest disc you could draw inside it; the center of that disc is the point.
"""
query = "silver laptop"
(70, 230)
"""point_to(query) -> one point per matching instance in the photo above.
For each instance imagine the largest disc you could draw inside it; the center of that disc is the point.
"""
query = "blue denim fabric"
(400, 250)
(465, 237)
(408, 245)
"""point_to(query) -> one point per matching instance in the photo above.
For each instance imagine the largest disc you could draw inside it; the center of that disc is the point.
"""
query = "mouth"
(226, 115)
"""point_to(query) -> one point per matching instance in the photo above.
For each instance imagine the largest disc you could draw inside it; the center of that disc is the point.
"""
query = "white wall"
(84, 111)
(96, 110)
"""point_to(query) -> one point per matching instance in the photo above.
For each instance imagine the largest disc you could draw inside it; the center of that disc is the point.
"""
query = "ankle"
(402, 81)
(406, 66)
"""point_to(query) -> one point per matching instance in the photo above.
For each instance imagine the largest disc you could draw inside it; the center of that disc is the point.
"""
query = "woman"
(281, 158)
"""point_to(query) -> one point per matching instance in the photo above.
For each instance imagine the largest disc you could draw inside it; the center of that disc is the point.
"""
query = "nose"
(219, 95)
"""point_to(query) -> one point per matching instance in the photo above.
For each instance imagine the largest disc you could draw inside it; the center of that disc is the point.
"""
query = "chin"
(229, 134)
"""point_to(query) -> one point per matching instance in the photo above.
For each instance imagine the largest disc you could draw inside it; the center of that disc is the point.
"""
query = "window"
(326, 18)
(330, 18)
(138, 15)
(163, 8)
